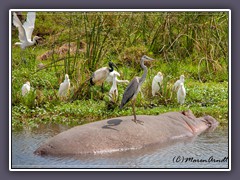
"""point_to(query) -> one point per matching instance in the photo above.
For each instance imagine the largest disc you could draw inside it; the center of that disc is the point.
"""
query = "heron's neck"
(142, 79)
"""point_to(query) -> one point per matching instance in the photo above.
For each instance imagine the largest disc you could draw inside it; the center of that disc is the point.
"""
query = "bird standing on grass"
(26, 88)
(157, 80)
(134, 87)
(100, 75)
(110, 77)
(25, 30)
(181, 94)
(177, 83)
(64, 87)
(113, 93)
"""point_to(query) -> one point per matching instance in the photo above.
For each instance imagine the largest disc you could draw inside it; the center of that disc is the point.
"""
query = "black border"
(91, 4)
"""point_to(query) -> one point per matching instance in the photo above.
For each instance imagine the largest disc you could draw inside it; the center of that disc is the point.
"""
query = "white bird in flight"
(64, 87)
(155, 83)
(25, 88)
(25, 30)
(181, 94)
(177, 83)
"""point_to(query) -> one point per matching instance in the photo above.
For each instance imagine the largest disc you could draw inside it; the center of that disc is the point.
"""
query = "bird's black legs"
(102, 88)
(134, 113)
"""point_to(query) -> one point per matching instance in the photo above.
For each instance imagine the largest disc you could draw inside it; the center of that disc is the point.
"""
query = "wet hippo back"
(121, 133)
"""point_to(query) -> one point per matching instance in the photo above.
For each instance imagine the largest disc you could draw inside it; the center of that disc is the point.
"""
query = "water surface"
(208, 150)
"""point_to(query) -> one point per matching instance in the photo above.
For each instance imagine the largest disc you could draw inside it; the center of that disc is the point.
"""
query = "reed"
(191, 43)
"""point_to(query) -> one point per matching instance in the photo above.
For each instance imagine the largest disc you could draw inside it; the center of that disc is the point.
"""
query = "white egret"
(134, 87)
(157, 80)
(177, 83)
(25, 30)
(113, 93)
(26, 88)
(100, 75)
(110, 77)
(181, 94)
(64, 87)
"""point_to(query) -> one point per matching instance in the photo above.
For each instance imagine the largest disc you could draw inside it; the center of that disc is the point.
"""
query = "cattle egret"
(26, 88)
(181, 94)
(177, 83)
(113, 93)
(25, 30)
(157, 80)
(134, 87)
(64, 87)
(110, 77)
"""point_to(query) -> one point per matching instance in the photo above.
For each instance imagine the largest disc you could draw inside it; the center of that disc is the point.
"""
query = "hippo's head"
(211, 122)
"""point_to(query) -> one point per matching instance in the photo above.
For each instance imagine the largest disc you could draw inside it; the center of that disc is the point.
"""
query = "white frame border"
(120, 10)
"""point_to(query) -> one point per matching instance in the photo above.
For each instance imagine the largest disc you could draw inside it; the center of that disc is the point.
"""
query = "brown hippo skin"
(121, 133)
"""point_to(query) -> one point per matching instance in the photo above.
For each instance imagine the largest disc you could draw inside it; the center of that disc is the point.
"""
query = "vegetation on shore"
(77, 43)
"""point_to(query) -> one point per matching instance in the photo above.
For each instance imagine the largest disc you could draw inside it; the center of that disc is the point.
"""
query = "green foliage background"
(191, 43)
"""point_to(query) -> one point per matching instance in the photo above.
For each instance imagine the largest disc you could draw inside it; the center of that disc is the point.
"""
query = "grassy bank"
(191, 43)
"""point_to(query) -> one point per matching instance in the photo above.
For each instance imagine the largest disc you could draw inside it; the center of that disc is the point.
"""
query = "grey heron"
(177, 83)
(100, 75)
(181, 94)
(25, 30)
(25, 88)
(134, 87)
(64, 87)
(157, 80)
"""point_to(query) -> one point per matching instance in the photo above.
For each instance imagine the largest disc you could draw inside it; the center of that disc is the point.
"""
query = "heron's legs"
(134, 113)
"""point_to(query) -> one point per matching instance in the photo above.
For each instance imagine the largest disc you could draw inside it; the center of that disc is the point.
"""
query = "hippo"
(121, 134)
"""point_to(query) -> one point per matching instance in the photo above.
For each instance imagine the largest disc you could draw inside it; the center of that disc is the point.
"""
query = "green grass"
(202, 99)
(181, 43)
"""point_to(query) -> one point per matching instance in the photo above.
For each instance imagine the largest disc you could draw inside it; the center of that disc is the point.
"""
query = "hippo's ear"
(189, 114)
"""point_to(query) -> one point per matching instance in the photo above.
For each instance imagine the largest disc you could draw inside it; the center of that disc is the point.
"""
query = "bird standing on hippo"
(120, 134)
(134, 87)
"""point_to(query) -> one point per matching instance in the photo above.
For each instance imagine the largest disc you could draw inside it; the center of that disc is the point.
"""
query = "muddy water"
(208, 150)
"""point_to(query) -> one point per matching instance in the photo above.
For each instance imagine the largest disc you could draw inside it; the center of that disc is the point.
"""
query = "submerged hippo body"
(119, 134)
